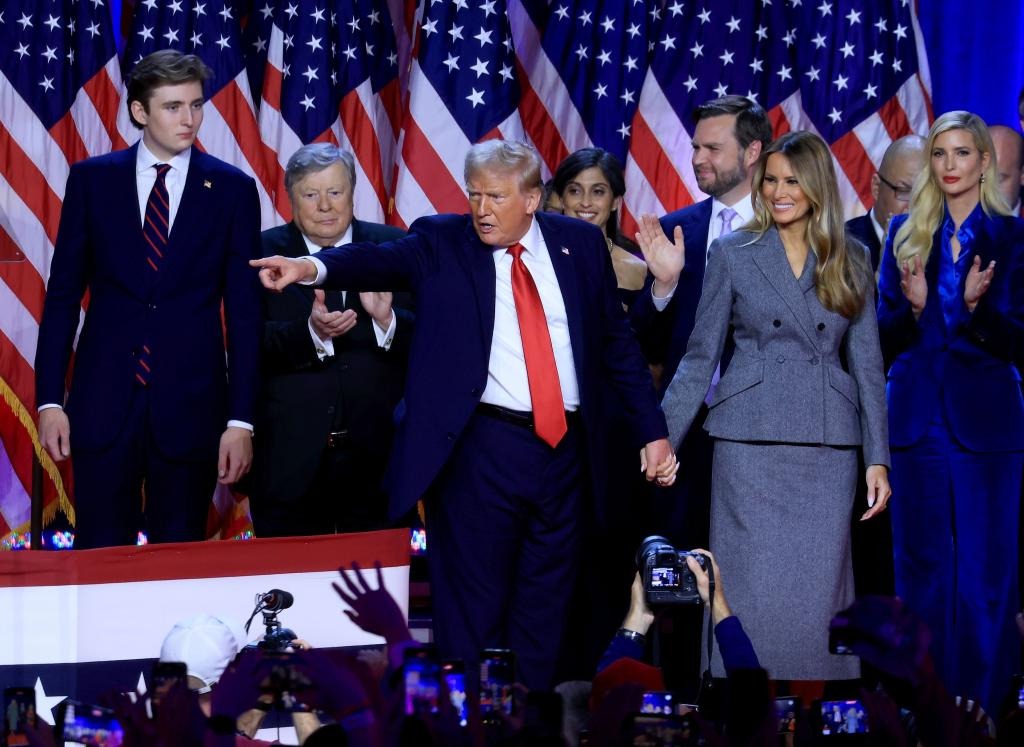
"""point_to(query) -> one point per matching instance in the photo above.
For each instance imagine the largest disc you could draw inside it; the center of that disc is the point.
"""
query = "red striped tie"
(545, 390)
(156, 226)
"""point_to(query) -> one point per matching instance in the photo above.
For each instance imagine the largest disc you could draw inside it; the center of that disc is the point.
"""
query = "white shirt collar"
(144, 159)
(532, 241)
(743, 207)
(346, 238)
(879, 231)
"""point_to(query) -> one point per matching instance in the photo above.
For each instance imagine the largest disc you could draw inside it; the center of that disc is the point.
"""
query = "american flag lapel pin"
(207, 183)
(565, 251)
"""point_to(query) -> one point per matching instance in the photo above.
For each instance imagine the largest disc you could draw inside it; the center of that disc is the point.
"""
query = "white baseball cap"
(206, 644)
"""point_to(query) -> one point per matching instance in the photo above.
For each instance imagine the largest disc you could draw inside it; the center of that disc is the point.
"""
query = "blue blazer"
(664, 335)
(100, 247)
(970, 373)
(452, 273)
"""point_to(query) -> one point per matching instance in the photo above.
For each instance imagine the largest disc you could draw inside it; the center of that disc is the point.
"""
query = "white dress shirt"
(325, 348)
(507, 383)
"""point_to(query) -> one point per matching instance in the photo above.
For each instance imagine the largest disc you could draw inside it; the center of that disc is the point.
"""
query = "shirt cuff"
(240, 424)
(323, 348)
(321, 272)
(49, 406)
(661, 303)
(386, 337)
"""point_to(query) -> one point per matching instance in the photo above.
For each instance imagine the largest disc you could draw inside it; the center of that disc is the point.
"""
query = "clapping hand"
(329, 324)
(977, 282)
(914, 285)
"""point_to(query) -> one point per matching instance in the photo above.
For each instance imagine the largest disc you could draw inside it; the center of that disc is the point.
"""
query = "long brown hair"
(840, 275)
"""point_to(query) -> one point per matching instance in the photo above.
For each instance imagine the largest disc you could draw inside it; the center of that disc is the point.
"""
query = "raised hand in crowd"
(373, 610)
(329, 324)
(665, 258)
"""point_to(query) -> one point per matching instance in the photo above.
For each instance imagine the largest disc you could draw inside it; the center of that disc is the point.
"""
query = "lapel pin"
(207, 183)
(565, 251)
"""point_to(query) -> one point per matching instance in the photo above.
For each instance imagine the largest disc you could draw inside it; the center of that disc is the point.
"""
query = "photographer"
(748, 717)
(629, 641)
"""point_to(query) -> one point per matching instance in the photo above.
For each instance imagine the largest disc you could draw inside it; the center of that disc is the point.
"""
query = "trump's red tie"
(545, 391)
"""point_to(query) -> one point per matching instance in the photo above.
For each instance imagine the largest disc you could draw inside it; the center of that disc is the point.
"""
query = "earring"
(982, 178)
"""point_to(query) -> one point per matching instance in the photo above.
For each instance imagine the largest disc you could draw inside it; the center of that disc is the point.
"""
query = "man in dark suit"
(890, 190)
(160, 234)
(728, 138)
(1009, 147)
(334, 368)
(518, 329)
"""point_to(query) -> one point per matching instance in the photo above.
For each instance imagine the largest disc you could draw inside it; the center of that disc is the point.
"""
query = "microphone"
(276, 600)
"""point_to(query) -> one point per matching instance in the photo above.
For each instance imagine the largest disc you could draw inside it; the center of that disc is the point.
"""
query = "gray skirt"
(780, 531)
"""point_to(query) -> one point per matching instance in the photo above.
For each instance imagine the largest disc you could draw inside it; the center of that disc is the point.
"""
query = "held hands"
(329, 324)
(664, 258)
(977, 282)
(658, 462)
(235, 455)
(277, 273)
(877, 477)
(55, 433)
(914, 285)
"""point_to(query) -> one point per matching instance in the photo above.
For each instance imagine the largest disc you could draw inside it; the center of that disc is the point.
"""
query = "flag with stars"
(331, 75)
(583, 65)
(211, 30)
(463, 89)
(854, 71)
(59, 103)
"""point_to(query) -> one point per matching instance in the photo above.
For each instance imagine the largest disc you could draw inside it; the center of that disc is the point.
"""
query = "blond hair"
(928, 201)
(839, 277)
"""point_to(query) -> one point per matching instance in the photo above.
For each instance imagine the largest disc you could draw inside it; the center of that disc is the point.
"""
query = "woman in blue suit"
(951, 320)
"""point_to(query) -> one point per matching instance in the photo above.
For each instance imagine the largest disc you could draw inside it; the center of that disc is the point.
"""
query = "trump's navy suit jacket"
(664, 335)
(969, 373)
(100, 246)
(452, 273)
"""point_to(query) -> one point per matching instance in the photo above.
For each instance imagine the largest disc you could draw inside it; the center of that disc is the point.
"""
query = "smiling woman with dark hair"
(590, 184)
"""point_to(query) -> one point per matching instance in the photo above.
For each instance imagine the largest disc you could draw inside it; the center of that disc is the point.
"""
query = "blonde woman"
(951, 316)
(788, 414)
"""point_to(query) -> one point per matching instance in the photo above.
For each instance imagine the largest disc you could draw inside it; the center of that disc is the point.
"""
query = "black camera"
(667, 579)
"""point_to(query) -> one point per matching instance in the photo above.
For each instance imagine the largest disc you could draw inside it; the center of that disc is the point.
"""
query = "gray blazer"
(785, 383)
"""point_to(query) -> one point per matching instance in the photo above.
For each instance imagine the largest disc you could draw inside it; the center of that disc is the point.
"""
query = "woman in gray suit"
(804, 389)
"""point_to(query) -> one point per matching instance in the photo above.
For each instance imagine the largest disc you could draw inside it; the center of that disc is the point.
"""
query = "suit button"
(151, 307)
(777, 323)
(814, 361)
(821, 326)
(330, 410)
(781, 359)
(451, 436)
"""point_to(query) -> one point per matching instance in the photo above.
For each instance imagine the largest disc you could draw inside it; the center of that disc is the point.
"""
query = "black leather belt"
(337, 439)
(521, 418)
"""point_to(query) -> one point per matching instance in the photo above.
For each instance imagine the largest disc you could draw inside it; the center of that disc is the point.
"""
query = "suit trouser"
(109, 487)
(955, 522)
(503, 526)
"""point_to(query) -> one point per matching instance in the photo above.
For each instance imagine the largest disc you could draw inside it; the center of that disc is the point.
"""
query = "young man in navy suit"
(160, 234)
(519, 328)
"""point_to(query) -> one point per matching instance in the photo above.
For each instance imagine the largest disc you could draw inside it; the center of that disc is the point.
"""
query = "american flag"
(59, 102)
(463, 88)
(211, 30)
(583, 65)
(854, 71)
(331, 74)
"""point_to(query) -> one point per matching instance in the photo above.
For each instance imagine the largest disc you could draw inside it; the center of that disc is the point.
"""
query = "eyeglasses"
(901, 194)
